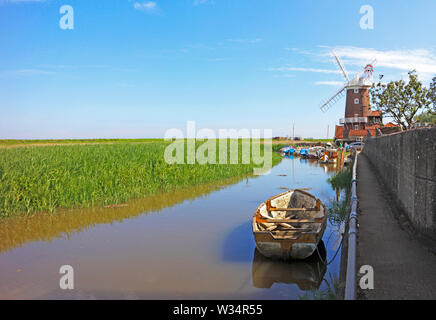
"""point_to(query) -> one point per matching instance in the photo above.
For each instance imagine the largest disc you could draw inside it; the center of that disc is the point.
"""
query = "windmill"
(358, 114)
(361, 80)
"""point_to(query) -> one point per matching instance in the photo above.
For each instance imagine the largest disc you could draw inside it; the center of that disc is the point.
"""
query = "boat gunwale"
(309, 232)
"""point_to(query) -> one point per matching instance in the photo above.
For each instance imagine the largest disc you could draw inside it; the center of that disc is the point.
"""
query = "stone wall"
(406, 162)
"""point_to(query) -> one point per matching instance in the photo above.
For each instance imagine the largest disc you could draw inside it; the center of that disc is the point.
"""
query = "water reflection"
(306, 274)
(328, 167)
(238, 244)
(199, 246)
(16, 231)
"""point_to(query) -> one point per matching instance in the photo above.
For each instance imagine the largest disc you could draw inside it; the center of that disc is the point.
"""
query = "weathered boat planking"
(289, 225)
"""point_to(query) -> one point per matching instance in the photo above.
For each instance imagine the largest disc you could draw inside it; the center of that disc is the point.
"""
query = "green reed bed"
(342, 179)
(45, 178)
(276, 147)
(28, 142)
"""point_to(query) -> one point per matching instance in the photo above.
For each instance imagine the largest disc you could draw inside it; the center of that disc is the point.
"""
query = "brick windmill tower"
(359, 119)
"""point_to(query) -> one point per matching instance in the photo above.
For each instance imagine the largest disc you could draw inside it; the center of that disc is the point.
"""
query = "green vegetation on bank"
(329, 293)
(338, 209)
(36, 179)
(342, 179)
(276, 147)
(318, 140)
(5, 143)
(17, 142)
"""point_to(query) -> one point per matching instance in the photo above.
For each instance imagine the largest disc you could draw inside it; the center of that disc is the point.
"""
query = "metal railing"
(350, 281)
(353, 120)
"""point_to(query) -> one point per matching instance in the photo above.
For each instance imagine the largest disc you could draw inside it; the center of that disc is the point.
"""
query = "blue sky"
(133, 69)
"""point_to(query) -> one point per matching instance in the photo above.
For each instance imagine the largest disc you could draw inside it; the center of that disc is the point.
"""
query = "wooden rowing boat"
(289, 225)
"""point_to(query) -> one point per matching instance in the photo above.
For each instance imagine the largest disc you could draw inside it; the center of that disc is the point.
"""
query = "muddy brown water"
(191, 244)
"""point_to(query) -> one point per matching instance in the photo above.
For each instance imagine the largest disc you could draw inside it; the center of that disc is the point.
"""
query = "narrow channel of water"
(190, 244)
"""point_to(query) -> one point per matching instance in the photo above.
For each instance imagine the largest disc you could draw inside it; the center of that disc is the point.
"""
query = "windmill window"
(356, 101)
(356, 90)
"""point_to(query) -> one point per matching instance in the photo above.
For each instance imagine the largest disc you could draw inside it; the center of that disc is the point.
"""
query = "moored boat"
(287, 150)
(289, 225)
(304, 153)
(329, 156)
(316, 152)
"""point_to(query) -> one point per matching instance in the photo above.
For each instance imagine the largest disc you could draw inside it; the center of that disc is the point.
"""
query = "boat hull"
(287, 249)
(289, 245)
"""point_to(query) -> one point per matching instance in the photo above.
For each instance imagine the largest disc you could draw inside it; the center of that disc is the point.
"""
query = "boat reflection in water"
(307, 274)
(328, 167)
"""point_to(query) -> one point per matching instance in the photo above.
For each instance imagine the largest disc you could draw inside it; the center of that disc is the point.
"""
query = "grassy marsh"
(34, 179)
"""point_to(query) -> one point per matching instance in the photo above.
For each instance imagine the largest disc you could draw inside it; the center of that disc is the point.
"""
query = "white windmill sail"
(341, 66)
(338, 95)
(363, 78)
(335, 98)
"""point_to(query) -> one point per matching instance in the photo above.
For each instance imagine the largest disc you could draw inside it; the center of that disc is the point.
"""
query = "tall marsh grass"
(342, 179)
(45, 178)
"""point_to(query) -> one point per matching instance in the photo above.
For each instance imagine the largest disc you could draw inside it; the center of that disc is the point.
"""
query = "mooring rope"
(340, 245)
(331, 260)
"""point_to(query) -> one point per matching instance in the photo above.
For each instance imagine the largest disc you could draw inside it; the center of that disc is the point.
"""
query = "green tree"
(433, 93)
(428, 117)
(401, 101)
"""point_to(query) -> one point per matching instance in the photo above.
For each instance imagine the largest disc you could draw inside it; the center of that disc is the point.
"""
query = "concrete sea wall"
(406, 162)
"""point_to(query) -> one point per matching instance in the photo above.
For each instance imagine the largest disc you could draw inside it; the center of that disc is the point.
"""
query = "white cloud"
(305, 70)
(329, 83)
(19, 1)
(299, 50)
(421, 60)
(22, 0)
(257, 40)
(33, 71)
(218, 59)
(394, 64)
(149, 6)
(197, 2)
(25, 72)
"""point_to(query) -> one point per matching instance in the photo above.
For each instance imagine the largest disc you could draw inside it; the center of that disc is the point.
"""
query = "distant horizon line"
(80, 139)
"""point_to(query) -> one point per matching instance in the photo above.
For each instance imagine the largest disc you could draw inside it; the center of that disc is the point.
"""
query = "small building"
(388, 128)
(339, 133)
